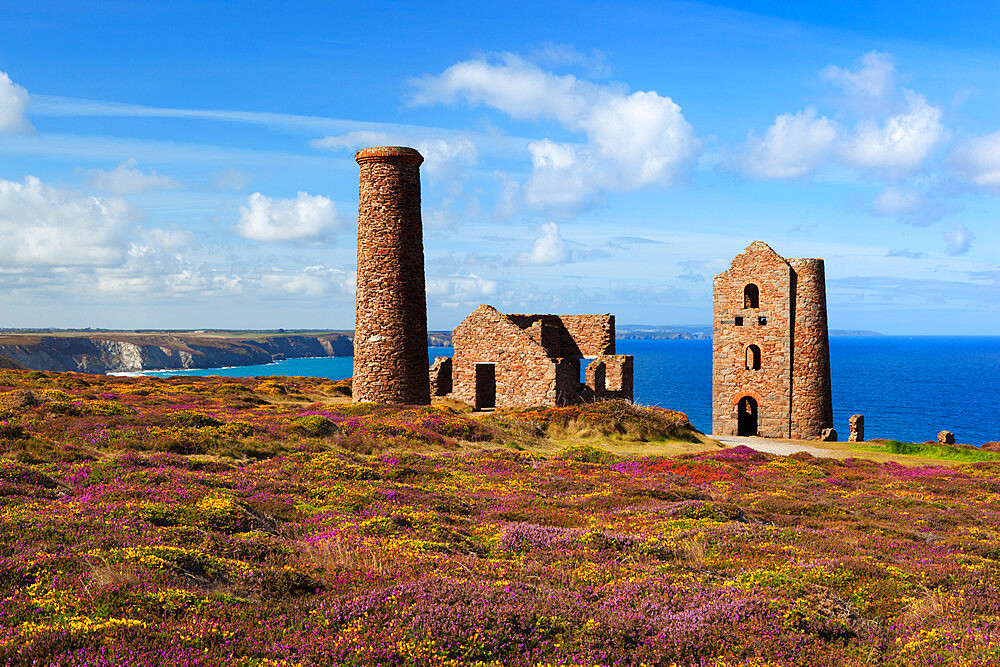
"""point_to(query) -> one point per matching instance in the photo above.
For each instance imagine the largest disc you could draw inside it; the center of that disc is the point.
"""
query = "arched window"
(753, 358)
(751, 296)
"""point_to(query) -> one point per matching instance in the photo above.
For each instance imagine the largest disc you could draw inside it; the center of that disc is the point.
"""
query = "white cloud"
(892, 201)
(232, 179)
(958, 239)
(46, 226)
(632, 140)
(795, 145)
(442, 156)
(901, 142)
(312, 281)
(550, 248)
(127, 179)
(895, 130)
(305, 218)
(566, 55)
(455, 289)
(874, 80)
(13, 105)
(978, 160)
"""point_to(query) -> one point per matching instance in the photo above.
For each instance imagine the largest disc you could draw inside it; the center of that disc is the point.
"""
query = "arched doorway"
(747, 421)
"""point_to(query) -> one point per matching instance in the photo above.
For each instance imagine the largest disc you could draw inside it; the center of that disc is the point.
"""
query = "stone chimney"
(390, 326)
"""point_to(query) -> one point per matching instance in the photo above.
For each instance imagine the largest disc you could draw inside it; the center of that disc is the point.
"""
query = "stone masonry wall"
(594, 334)
(390, 344)
(440, 376)
(525, 375)
(611, 377)
(812, 399)
(792, 385)
(570, 335)
(771, 385)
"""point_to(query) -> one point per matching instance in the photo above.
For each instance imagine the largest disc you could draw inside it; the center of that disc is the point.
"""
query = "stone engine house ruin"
(770, 347)
(390, 341)
(521, 360)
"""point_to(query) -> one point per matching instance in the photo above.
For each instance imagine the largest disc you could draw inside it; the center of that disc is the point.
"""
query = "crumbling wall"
(525, 375)
(611, 377)
(570, 335)
(594, 334)
(440, 376)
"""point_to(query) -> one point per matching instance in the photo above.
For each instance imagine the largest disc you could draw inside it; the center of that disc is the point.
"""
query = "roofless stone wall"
(390, 344)
(770, 347)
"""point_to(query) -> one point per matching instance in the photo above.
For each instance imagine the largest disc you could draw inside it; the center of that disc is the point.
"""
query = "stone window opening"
(739, 321)
(751, 296)
(762, 321)
(752, 358)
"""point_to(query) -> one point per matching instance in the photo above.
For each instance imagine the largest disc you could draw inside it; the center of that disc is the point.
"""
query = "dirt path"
(782, 447)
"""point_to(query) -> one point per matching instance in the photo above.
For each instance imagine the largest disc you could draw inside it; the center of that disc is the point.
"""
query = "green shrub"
(586, 454)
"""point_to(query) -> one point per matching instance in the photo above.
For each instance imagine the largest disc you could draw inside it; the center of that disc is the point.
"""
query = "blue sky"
(191, 165)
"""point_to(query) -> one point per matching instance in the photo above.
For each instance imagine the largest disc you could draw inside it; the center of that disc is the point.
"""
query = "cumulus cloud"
(958, 239)
(795, 145)
(13, 105)
(901, 142)
(456, 289)
(978, 160)
(550, 248)
(893, 130)
(46, 226)
(126, 179)
(633, 140)
(304, 218)
(874, 80)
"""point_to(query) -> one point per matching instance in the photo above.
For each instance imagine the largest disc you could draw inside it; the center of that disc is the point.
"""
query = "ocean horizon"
(908, 387)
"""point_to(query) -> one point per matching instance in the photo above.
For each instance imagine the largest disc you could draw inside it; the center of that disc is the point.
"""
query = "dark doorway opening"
(486, 386)
(747, 409)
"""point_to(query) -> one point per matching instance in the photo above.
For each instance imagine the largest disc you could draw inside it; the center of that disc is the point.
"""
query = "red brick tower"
(770, 347)
(390, 326)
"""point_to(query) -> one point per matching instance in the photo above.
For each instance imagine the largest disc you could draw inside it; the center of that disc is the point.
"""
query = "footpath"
(782, 447)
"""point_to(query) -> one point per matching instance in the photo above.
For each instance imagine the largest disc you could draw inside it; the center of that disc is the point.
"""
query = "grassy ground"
(269, 521)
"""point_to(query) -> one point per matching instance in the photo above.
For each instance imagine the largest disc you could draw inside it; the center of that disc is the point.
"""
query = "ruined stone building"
(522, 360)
(770, 347)
(390, 342)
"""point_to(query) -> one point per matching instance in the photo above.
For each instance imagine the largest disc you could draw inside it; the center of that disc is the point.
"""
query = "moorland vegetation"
(269, 521)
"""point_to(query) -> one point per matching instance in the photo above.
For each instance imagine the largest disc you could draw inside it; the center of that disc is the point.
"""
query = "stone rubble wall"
(611, 377)
(570, 335)
(390, 344)
(525, 375)
(440, 376)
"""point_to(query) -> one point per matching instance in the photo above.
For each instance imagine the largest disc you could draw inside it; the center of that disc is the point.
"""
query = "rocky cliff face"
(124, 352)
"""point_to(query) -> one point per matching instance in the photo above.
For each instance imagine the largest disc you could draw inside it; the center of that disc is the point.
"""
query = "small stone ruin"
(946, 438)
(857, 424)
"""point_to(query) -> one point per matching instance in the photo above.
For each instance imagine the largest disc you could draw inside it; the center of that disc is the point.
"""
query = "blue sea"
(907, 387)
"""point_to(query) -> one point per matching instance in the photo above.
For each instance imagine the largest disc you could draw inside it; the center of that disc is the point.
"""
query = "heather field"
(260, 522)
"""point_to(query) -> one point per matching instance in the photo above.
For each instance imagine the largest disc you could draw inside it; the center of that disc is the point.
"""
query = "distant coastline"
(144, 350)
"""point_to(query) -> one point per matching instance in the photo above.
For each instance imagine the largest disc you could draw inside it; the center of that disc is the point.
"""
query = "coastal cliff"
(123, 352)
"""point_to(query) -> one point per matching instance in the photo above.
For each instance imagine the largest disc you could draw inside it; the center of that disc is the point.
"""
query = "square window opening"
(739, 321)
(761, 321)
